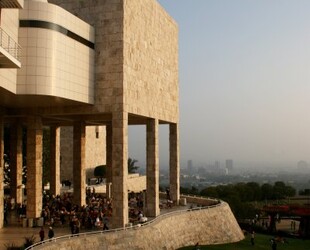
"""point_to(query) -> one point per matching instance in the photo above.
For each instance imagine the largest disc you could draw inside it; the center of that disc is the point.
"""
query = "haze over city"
(244, 83)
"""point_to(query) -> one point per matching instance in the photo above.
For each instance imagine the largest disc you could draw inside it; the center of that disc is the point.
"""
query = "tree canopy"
(100, 171)
(240, 196)
(132, 168)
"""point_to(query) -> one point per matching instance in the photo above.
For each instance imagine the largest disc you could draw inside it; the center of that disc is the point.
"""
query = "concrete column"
(152, 181)
(16, 162)
(109, 159)
(119, 169)
(34, 167)
(1, 170)
(174, 163)
(55, 160)
(79, 173)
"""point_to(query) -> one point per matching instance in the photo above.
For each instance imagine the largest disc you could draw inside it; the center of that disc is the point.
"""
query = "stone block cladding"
(216, 225)
(136, 63)
(150, 60)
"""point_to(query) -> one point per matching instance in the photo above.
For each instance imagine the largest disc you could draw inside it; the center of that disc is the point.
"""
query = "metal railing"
(145, 224)
(8, 44)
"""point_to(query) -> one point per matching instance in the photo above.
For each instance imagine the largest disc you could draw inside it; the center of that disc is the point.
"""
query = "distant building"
(229, 166)
(190, 166)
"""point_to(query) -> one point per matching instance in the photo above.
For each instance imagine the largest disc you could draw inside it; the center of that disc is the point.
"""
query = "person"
(252, 238)
(42, 234)
(5, 213)
(78, 225)
(141, 218)
(105, 222)
(197, 246)
(51, 233)
(72, 225)
(273, 244)
(168, 194)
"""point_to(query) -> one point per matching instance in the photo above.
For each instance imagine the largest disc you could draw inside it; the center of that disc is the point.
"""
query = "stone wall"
(150, 60)
(136, 183)
(136, 56)
(215, 225)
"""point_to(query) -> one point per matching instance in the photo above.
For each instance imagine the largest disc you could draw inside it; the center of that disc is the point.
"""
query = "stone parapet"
(213, 225)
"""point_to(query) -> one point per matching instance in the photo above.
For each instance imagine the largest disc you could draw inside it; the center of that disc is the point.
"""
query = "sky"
(244, 75)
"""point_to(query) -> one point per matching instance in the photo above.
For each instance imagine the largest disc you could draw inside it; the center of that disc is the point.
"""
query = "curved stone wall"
(213, 225)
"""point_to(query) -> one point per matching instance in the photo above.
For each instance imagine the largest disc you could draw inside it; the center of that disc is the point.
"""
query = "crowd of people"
(60, 210)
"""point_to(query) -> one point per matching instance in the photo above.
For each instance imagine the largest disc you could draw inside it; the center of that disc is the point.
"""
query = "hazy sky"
(244, 71)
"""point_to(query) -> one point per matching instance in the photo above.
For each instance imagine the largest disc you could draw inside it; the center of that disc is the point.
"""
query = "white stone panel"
(53, 63)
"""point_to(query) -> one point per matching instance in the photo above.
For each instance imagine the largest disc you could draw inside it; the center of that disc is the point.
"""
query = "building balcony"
(9, 51)
(12, 4)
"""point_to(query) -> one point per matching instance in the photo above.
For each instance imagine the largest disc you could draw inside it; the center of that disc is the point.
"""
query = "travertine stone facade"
(174, 162)
(79, 177)
(137, 56)
(55, 160)
(152, 195)
(215, 225)
(136, 75)
(16, 162)
(136, 183)
(34, 167)
(66, 153)
(150, 60)
(134, 78)
(119, 169)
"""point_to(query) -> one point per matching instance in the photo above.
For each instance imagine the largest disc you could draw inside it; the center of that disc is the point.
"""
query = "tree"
(132, 166)
(100, 172)
(290, 191)
(210, 192)
(267, 191)
(253, 191)
(279, 190)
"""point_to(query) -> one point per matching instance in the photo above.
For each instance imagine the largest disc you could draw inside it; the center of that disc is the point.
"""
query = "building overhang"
(12, 4)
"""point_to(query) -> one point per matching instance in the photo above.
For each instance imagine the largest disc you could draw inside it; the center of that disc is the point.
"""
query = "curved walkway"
(15, 234)
(206, 225)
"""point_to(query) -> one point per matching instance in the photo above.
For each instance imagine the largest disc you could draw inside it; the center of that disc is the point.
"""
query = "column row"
(116, 161)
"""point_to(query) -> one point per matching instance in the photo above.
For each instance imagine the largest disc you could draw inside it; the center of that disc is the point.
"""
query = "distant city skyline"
(244, 69)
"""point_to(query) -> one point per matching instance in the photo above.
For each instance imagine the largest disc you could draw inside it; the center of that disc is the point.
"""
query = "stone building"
(83, 64)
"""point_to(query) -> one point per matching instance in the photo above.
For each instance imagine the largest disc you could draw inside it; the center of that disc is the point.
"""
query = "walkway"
(15, 234)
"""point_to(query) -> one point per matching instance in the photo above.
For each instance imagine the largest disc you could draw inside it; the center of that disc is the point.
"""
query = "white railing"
(160, 217)
(8, 43)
